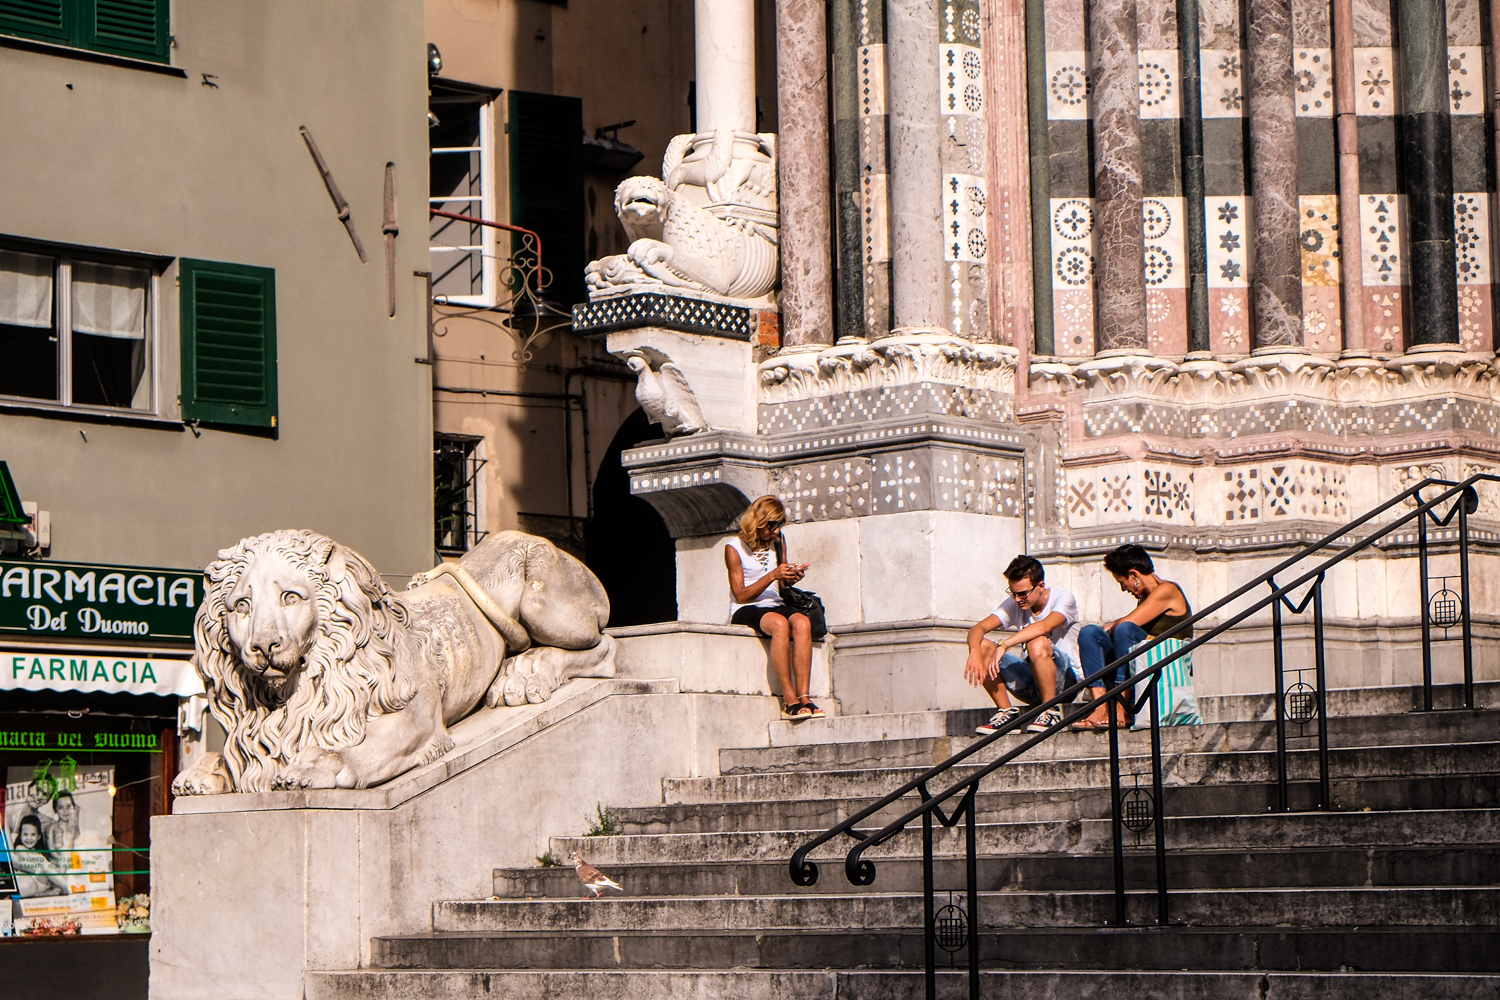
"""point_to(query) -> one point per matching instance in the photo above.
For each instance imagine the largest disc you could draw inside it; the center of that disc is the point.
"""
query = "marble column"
(724, 61)
(1351, 252)
(1273, 175)
(1427, 165)
(1040, 162)
(802, 157)
(1119, 280)
(1005, 54)
(1191, 125)
(918, 278)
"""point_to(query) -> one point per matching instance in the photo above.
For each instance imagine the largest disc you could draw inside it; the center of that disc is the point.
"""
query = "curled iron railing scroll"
(525, 314)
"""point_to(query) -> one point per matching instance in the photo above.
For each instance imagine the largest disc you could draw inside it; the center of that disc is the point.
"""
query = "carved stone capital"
(923, 357)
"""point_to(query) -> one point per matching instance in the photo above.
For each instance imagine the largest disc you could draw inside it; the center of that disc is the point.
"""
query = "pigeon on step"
(591, 877)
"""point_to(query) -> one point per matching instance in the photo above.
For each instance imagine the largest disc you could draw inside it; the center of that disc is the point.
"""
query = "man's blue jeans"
(1097, 647)
(1020, 680)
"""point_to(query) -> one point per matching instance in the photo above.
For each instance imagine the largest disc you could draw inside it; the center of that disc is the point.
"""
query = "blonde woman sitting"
(755, 574)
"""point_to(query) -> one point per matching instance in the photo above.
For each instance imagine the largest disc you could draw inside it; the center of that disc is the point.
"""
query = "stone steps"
(1450, 827)
(1394, 893)
(1471, 906)
(1365, 702)
(1186, 869)
(1439, 728)
(1462, 791)
(1371, 949)
(803, 984)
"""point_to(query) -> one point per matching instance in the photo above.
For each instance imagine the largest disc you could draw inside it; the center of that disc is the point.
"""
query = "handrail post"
(971, 835)
(1425, 599)
(1161, 811)
(1281, 790)
(1325, 796)
(929, 932)
(1116, 833)
(1463, 582)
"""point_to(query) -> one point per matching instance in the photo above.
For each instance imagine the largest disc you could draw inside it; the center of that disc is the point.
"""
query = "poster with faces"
(59, 828)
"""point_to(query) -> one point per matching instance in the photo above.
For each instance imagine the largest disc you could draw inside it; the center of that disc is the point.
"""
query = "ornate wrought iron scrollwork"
(521, 311)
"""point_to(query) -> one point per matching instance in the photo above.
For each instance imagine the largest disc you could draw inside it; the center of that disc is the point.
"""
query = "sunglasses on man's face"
(1021, 595)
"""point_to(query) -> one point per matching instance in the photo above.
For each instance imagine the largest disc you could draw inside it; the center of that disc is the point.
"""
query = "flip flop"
(1087, 726)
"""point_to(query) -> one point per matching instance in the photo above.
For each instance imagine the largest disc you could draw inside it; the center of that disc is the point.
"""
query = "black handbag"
(804, 602)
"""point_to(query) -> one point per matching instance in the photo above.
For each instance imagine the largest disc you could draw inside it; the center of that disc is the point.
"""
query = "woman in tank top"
(755, 577)
(1160, 604)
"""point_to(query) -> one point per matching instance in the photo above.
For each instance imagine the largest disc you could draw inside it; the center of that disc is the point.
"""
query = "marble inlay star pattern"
(1313, 78)
(1224, 82)
(1471, 237)
(1466, 79)
(1377, 89)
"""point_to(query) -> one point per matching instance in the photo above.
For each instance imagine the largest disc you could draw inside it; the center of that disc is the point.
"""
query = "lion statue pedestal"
(322, 677)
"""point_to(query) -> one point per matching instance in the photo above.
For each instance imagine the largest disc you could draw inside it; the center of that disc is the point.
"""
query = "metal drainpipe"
(1351, 248)
(1041, 177)
(1191, 107)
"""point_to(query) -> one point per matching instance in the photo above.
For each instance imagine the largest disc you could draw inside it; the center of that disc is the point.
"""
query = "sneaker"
(1045, 721)
(998, 721)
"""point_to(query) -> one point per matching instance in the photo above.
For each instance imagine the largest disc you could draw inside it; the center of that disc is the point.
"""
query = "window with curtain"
(75, 331)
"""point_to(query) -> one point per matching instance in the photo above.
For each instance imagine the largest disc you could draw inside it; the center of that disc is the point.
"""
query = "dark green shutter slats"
(130, 28)
(135, 28)
(45, 19)
(228, 343)
(546, 184)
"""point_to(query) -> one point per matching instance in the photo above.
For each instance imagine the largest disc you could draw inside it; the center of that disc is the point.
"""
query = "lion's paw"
(418, 579)
(537, 690)
(208, 776)
(312, 769)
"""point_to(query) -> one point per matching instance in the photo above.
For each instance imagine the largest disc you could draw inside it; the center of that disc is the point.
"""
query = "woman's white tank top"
(756, 565)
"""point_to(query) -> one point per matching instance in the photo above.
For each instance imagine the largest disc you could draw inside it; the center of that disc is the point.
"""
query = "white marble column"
(724, 54)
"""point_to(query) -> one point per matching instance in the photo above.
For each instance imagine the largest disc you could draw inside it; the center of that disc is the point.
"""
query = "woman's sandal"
(789, 712)
(813, 711)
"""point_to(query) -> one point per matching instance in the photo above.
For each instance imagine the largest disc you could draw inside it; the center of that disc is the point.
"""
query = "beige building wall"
(210, 165)
(626, 60)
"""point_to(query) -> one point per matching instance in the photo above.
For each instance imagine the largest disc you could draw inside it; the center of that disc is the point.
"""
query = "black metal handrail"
(861, 872)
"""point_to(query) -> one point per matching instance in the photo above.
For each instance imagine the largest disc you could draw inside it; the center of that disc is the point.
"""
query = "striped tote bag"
(1175, 701)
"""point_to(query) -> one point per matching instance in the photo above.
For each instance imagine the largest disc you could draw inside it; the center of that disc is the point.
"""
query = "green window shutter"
(546, 185)
(49, 20)
(135, 28)
(228, 343)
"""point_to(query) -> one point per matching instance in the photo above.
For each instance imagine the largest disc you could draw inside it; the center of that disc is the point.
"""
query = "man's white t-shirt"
(1064, 637)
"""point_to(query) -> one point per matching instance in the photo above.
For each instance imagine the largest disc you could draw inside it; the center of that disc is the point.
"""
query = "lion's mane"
(348, 676)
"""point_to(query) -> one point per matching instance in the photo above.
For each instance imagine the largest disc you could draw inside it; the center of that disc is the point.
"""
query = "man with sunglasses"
(1038, 655)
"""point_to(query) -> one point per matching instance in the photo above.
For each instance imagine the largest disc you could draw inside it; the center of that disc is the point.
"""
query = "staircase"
(1394, 893)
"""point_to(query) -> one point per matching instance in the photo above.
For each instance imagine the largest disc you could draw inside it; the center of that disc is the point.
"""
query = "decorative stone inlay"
(1382, 219)
(672, 312)
(1471, 236)
(1313, 77)
(1377, 90)
(860, 407)
(1466, 79)
(1158, 83)
(1224, 83)
(1068, 86)
(1231, 250)
(894, 361)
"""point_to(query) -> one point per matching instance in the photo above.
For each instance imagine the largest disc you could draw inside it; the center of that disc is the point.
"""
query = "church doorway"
(626, 543)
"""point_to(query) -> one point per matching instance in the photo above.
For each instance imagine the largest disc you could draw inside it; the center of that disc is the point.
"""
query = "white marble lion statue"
(322, 677)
